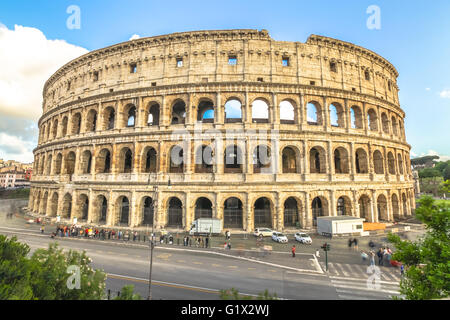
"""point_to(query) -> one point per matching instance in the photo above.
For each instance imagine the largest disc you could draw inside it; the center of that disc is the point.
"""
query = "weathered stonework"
(91, 163)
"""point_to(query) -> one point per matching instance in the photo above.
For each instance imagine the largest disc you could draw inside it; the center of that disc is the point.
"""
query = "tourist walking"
(293, 251)
(380, 255)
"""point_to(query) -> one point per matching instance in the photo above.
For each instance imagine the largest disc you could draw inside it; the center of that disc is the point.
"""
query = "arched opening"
(361, 161)
(76, 123)
(337, 115)
(233, 111)
(341, 160)
(53, 205)
(55, 129)
(205, 112)
(289, 159)
(48, 168)
(394, 126)
(153, 115)
(382, 208)
(179, 112)
(64, 126)
(91, 121)
(364, 208)
(317, 160)
(319, 208)
(261, 159)
(69, 164)
(43, 204)
(58, 164)
(150, 161)
(126, 160)
(313, 113)
(232, 213)
(400, 128)
(109, 117)
(176, 160)
(400, 163)
(42, 164)
(203, 208)
(175, 213)
(83, 207)
(103, 162)
(66, 211)
(287, 112)
(262, 213)
(86, 162)
(372, 120)
(378, 162)
(385, 122)
(344, 207)
(291, 218)
(124, 211)
(147, 212)
(356, 116)
(395, 207)
(131, 116)
(204, 159)
(391, 163)
(405, 205)
(233, 159)
(103, 208)
(260, 111)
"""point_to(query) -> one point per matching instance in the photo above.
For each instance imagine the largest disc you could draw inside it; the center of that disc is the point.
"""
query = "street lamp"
(152, 243)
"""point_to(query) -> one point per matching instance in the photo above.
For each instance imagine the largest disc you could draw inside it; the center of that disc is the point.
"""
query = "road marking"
(196, 262)
(232, 267)
(110, 252)
(345, 297)
(372, 294)
(359, 279)
(251, 268)
(181, 261)
(338, 266)
(215, 265)
(272, 270)
(361, 286)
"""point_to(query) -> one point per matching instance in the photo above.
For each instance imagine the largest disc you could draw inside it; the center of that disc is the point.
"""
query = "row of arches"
(205, 160)
(233, 210)
(206, 111)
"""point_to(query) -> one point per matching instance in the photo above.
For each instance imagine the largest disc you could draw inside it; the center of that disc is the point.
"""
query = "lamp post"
(152, 242)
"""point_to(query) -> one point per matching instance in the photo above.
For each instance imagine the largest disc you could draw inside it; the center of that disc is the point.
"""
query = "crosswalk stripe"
(360, 279)
(341, 269)
(364, 288)
(365, 294)
(345, 297)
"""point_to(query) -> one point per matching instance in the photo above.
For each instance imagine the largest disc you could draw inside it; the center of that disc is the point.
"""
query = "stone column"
(333, 210)
(330, 157)
(110, 218)
(91, 208)
(308, 213)
(374, 207)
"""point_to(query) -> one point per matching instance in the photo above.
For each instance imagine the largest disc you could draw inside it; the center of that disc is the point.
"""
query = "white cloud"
(428, 89)
(15, 148)
(445, 94)
(27, 60)
(435, 153)
(135, 37)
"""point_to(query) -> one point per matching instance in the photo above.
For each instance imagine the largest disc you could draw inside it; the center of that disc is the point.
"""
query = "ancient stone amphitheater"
(229, 124)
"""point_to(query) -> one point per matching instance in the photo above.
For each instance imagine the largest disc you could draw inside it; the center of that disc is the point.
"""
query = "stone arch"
(382, 208)
(125, 160)
(233, 213)
(262, 159)
(287, 112)
(233, 110)
(400, 163)
(361, 161)
(314, 113)
(176, 159)
(55, 129)
(356, 116)
(317, 160)
(123, 211)
(66, 211)
(48, 167)
(344, 206)
(83, 207)
(76, 124)
(290, 157)
(319, 208)
(58, 164)
(260, 111)
(378, 163)
(336, 115)
(262, 212)
(205, 111)
(204, 159)
(395, 207)
(365, 207)
(130, 116)
(149, 162)
(175, 212)
(385, 122)
(109, 118)
(103, 161)
(203, 208)
(372, 120)
(233, 159)
(91, 121)
(341, 163)
(404, 205)
(178, 112)
(100, 211)
(291, 213)
(394, 126)
(43, 204)
(69, 163)
(147, 211)
(86, 162)
(65, 123)
(152, 114)
(53, 207)
(391, 163)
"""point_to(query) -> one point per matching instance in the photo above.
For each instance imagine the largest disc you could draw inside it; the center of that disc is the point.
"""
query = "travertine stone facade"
(325, 113)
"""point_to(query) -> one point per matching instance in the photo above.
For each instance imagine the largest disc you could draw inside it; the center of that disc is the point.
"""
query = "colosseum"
(229, 124)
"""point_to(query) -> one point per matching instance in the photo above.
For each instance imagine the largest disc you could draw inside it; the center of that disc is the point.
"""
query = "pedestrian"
(350, 243)
(229, 245)
(380, 255)
(225, 245)
(364, 256)
(293, 251)
(206, 242)
(372, 258)
(228, 235)
(355, 241)
(402, 270)
(42, 229)
(135, 236)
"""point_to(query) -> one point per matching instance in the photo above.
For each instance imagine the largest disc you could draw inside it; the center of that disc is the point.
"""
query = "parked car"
(264, 232)
(303, 238)
(279, 237)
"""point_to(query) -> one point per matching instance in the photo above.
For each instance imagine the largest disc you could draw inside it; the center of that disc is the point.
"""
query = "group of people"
(95, 233)
(383, 253)
(353, 242)
(199, 242)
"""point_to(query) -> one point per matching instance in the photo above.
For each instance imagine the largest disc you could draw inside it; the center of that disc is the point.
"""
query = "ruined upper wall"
(205, 59)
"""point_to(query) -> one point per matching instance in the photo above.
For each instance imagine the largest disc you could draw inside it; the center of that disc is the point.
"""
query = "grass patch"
(15, 194)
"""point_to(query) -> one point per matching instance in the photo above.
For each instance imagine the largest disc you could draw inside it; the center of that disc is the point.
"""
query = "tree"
(128, 294)
(46, 274)
(426, 261)
(233, 294)
(429, 173)
(431, 185)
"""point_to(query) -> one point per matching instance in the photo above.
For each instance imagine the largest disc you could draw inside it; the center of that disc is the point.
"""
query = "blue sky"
(415, 37)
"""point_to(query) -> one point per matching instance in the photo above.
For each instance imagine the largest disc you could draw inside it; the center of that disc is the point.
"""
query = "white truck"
(206, 226)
